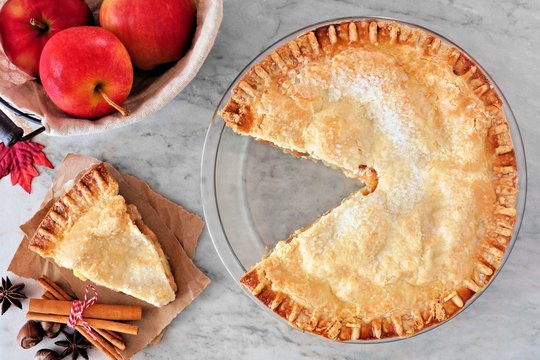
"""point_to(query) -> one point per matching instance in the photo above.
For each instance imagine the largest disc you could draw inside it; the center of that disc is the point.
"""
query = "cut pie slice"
(421, 125)
(92, 231)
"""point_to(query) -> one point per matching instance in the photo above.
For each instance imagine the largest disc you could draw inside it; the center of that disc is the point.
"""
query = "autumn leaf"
(19, 161)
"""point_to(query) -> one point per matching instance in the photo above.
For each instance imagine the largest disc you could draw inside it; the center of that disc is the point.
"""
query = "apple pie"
(92, 231)
(418, 123)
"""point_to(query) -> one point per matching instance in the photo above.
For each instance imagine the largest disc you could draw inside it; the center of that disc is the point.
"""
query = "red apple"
(86, 71)
(154, 31)
(26, 25)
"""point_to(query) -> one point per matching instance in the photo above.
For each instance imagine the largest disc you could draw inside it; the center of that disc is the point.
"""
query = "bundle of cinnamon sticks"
(55, 306)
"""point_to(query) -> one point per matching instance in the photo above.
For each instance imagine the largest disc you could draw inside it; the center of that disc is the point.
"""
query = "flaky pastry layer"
(92, 231)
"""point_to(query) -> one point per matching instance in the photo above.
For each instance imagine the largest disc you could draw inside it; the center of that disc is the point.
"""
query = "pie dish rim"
(217, 126)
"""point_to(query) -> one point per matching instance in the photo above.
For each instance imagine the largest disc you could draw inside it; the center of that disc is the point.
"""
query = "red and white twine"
(77, 309)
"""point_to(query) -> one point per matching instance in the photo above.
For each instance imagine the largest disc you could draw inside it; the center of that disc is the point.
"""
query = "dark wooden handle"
(9, 132)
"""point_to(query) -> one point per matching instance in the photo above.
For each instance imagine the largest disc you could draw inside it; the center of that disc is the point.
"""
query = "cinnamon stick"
(94, 323)
(47, 295)
(101, 344)
(96, 311)
(115, 335)
(41, 281)
(56, 287)
(107, 335)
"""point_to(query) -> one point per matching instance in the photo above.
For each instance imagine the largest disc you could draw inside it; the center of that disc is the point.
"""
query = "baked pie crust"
(419, 123)
(92, 231)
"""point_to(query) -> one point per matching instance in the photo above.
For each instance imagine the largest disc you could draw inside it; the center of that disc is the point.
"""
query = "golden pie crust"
(92, 231)
(419, 123)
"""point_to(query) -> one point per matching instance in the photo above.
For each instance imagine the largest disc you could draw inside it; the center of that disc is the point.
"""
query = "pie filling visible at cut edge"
(421, 125)
(92, 231)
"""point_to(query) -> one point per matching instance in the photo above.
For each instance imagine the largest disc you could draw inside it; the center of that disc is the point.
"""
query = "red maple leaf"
(19, 160)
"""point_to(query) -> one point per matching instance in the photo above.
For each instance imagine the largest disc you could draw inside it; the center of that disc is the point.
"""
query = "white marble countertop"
(165, 150)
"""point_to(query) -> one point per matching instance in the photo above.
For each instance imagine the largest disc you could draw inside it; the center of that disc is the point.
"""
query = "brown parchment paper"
(177, 230)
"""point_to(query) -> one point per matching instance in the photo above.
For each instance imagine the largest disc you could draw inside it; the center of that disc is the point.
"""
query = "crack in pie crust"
(92, 231)
(420, 124)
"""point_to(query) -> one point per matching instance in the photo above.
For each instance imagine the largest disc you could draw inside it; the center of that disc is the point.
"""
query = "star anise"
(10, 295)
(75, 344)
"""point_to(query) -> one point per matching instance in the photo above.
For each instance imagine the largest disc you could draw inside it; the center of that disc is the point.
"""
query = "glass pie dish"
(255, 195)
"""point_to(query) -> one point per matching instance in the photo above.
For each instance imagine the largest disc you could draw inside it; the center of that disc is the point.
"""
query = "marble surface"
(166, 150)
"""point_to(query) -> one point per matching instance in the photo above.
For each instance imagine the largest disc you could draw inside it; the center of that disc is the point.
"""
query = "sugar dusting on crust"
(391, 126)
(400, 245)
(369, 90)
(95, 247)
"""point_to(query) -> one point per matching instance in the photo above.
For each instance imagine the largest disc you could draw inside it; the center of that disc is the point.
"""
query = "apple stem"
(38, 24)
(105, 97)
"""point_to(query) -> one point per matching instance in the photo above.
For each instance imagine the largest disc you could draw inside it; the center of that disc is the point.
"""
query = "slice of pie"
(92, 231)
(420, 124)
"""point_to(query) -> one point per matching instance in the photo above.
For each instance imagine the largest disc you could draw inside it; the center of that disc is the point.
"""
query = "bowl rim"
(213, 138)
